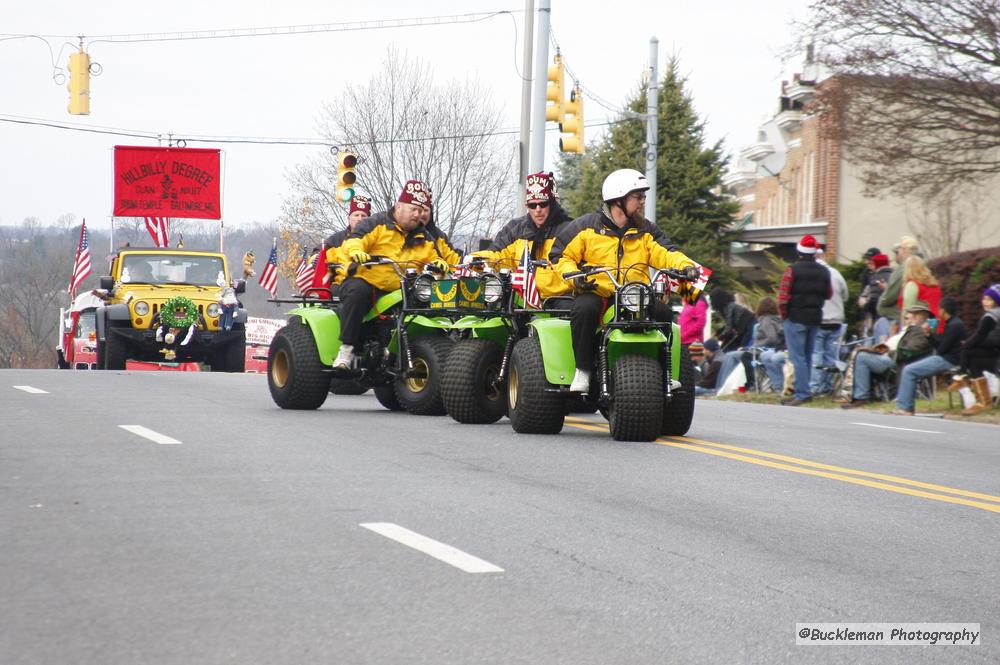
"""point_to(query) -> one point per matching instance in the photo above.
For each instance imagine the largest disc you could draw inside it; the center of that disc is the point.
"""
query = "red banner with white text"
(167, 182)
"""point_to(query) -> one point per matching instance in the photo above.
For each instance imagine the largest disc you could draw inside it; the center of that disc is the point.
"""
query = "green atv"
(474, 383)
(644, 378)
(401, 357)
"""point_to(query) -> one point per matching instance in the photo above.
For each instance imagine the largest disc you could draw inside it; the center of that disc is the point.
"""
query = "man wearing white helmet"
(617, 236)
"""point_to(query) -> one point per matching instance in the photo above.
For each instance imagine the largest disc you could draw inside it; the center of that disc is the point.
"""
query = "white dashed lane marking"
(32, 390)
(440, 551)
(902, 429)
(147, 433)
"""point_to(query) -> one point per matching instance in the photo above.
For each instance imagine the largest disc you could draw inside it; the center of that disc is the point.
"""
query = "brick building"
(795, 180)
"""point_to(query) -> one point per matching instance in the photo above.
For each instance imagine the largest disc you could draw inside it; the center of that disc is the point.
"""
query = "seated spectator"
(692, 321)
(947, 356)
(709, 368)
(770, 336)
(980, 352)
(737, 327)
(909, 345)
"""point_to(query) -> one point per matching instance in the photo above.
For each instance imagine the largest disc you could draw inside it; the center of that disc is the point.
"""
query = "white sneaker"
(581, 382)
(345, 358)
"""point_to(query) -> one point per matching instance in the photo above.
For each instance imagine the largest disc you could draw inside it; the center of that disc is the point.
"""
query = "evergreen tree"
(690, 207)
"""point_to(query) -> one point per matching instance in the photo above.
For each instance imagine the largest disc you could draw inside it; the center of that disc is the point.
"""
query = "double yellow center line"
(808, 467)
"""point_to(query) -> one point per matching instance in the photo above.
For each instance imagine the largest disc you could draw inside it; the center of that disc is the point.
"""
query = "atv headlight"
(422, 288)
(213, 310)
(632, 296)
(141, 308)
(492, 289)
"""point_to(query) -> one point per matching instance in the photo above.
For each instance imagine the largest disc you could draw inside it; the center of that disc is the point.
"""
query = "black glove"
(691, 273)
(583, 284)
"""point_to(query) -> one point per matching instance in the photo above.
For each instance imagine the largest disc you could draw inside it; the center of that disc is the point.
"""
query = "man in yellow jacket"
(616, 236)
(361, 207)
(397, 234)
(535, 233)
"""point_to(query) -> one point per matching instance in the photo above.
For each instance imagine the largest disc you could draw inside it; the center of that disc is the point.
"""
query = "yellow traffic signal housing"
(79, 84)
(554, 91)
(346, 177)
(572, 123)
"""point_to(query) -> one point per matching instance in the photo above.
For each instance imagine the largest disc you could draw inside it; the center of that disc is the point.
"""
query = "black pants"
(356, 297)
(584, 318)
(975, 361)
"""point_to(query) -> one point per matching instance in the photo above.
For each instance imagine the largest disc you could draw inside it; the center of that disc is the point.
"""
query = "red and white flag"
(523, 280)
(699, 284)
(304, 273)
(269, 275)
(81, 266)
(321, 277)
(157, 227)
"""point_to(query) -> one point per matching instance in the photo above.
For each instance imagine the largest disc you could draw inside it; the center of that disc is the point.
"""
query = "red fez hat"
(539, 187)
(417, 193)
(361, 204)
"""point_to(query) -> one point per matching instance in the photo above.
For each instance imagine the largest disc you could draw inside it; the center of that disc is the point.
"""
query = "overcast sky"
(274, 86)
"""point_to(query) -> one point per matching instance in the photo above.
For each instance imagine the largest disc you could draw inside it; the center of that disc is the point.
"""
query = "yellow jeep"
(141, 281)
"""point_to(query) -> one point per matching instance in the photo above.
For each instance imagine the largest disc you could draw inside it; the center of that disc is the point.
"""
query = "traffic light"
(554, 91)
(346, 177)
(79, 84)
(572, 123)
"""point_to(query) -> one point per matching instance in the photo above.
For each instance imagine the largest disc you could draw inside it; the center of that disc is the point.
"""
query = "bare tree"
(405, 125)
(945, 221)
(916, 92)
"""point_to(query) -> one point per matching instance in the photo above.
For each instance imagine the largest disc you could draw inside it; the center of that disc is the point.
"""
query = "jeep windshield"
(172, 269)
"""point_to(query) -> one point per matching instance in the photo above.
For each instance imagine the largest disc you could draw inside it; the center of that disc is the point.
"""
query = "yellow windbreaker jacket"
(594, 240)
(379, 235)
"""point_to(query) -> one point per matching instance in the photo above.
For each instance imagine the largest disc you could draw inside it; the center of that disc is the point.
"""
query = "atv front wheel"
(636, 411)
(531, 408)
(420, 393)
(468, 389)
(386, 396)
(678, 412)
(295, 373)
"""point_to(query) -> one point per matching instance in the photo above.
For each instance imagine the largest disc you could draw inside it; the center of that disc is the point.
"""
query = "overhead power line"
(257, 140)
(347, 26)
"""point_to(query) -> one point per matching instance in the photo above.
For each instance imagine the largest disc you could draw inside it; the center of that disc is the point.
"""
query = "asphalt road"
(243, 542)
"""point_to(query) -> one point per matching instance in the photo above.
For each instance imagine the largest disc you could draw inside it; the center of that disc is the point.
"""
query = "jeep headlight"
(492, 289)
(631, 297)
(213, 310)
(141, 308)
(422, 288)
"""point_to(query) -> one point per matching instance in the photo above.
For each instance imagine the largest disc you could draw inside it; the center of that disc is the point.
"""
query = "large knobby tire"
(530, 407)
(295, 374)
(467, 389)
(386, 396)
(679, 411)
(636, 412)
(115, 352)
(347, 387)
(420, 394)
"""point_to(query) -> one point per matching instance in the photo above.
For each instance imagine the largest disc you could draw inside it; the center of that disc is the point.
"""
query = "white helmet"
(619, 183)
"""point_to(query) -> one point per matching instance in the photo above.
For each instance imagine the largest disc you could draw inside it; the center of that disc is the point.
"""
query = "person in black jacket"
(980, 352)
(805, 286)
(737, 328)
(946, 357)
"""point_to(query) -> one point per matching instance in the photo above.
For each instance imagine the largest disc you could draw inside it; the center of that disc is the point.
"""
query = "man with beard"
(535, 233)
(397, 234)
(616, 236)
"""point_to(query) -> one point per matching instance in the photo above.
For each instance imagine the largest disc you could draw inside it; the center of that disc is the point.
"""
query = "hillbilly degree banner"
(167, 182)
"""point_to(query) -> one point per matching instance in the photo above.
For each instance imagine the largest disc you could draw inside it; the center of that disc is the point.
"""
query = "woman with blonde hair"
(919, 283)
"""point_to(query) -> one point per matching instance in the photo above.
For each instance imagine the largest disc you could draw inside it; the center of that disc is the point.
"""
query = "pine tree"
(690, 207)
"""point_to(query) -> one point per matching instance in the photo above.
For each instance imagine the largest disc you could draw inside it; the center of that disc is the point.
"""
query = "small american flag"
(523, 280)
(81, 267)
(304, 273)
(157, 227)
(699, 284)
(269, 276)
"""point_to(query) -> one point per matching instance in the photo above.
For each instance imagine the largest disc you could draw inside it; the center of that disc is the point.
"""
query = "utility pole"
(529, 24)
(652, 118)
(537, 162)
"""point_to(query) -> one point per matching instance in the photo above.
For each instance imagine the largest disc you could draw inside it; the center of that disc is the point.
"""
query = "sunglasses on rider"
(541, 204)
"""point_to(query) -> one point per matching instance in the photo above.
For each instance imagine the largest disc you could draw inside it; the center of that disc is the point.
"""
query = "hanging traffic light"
(79, 84)
(346, 177)
(572, 123)
(554, 91)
